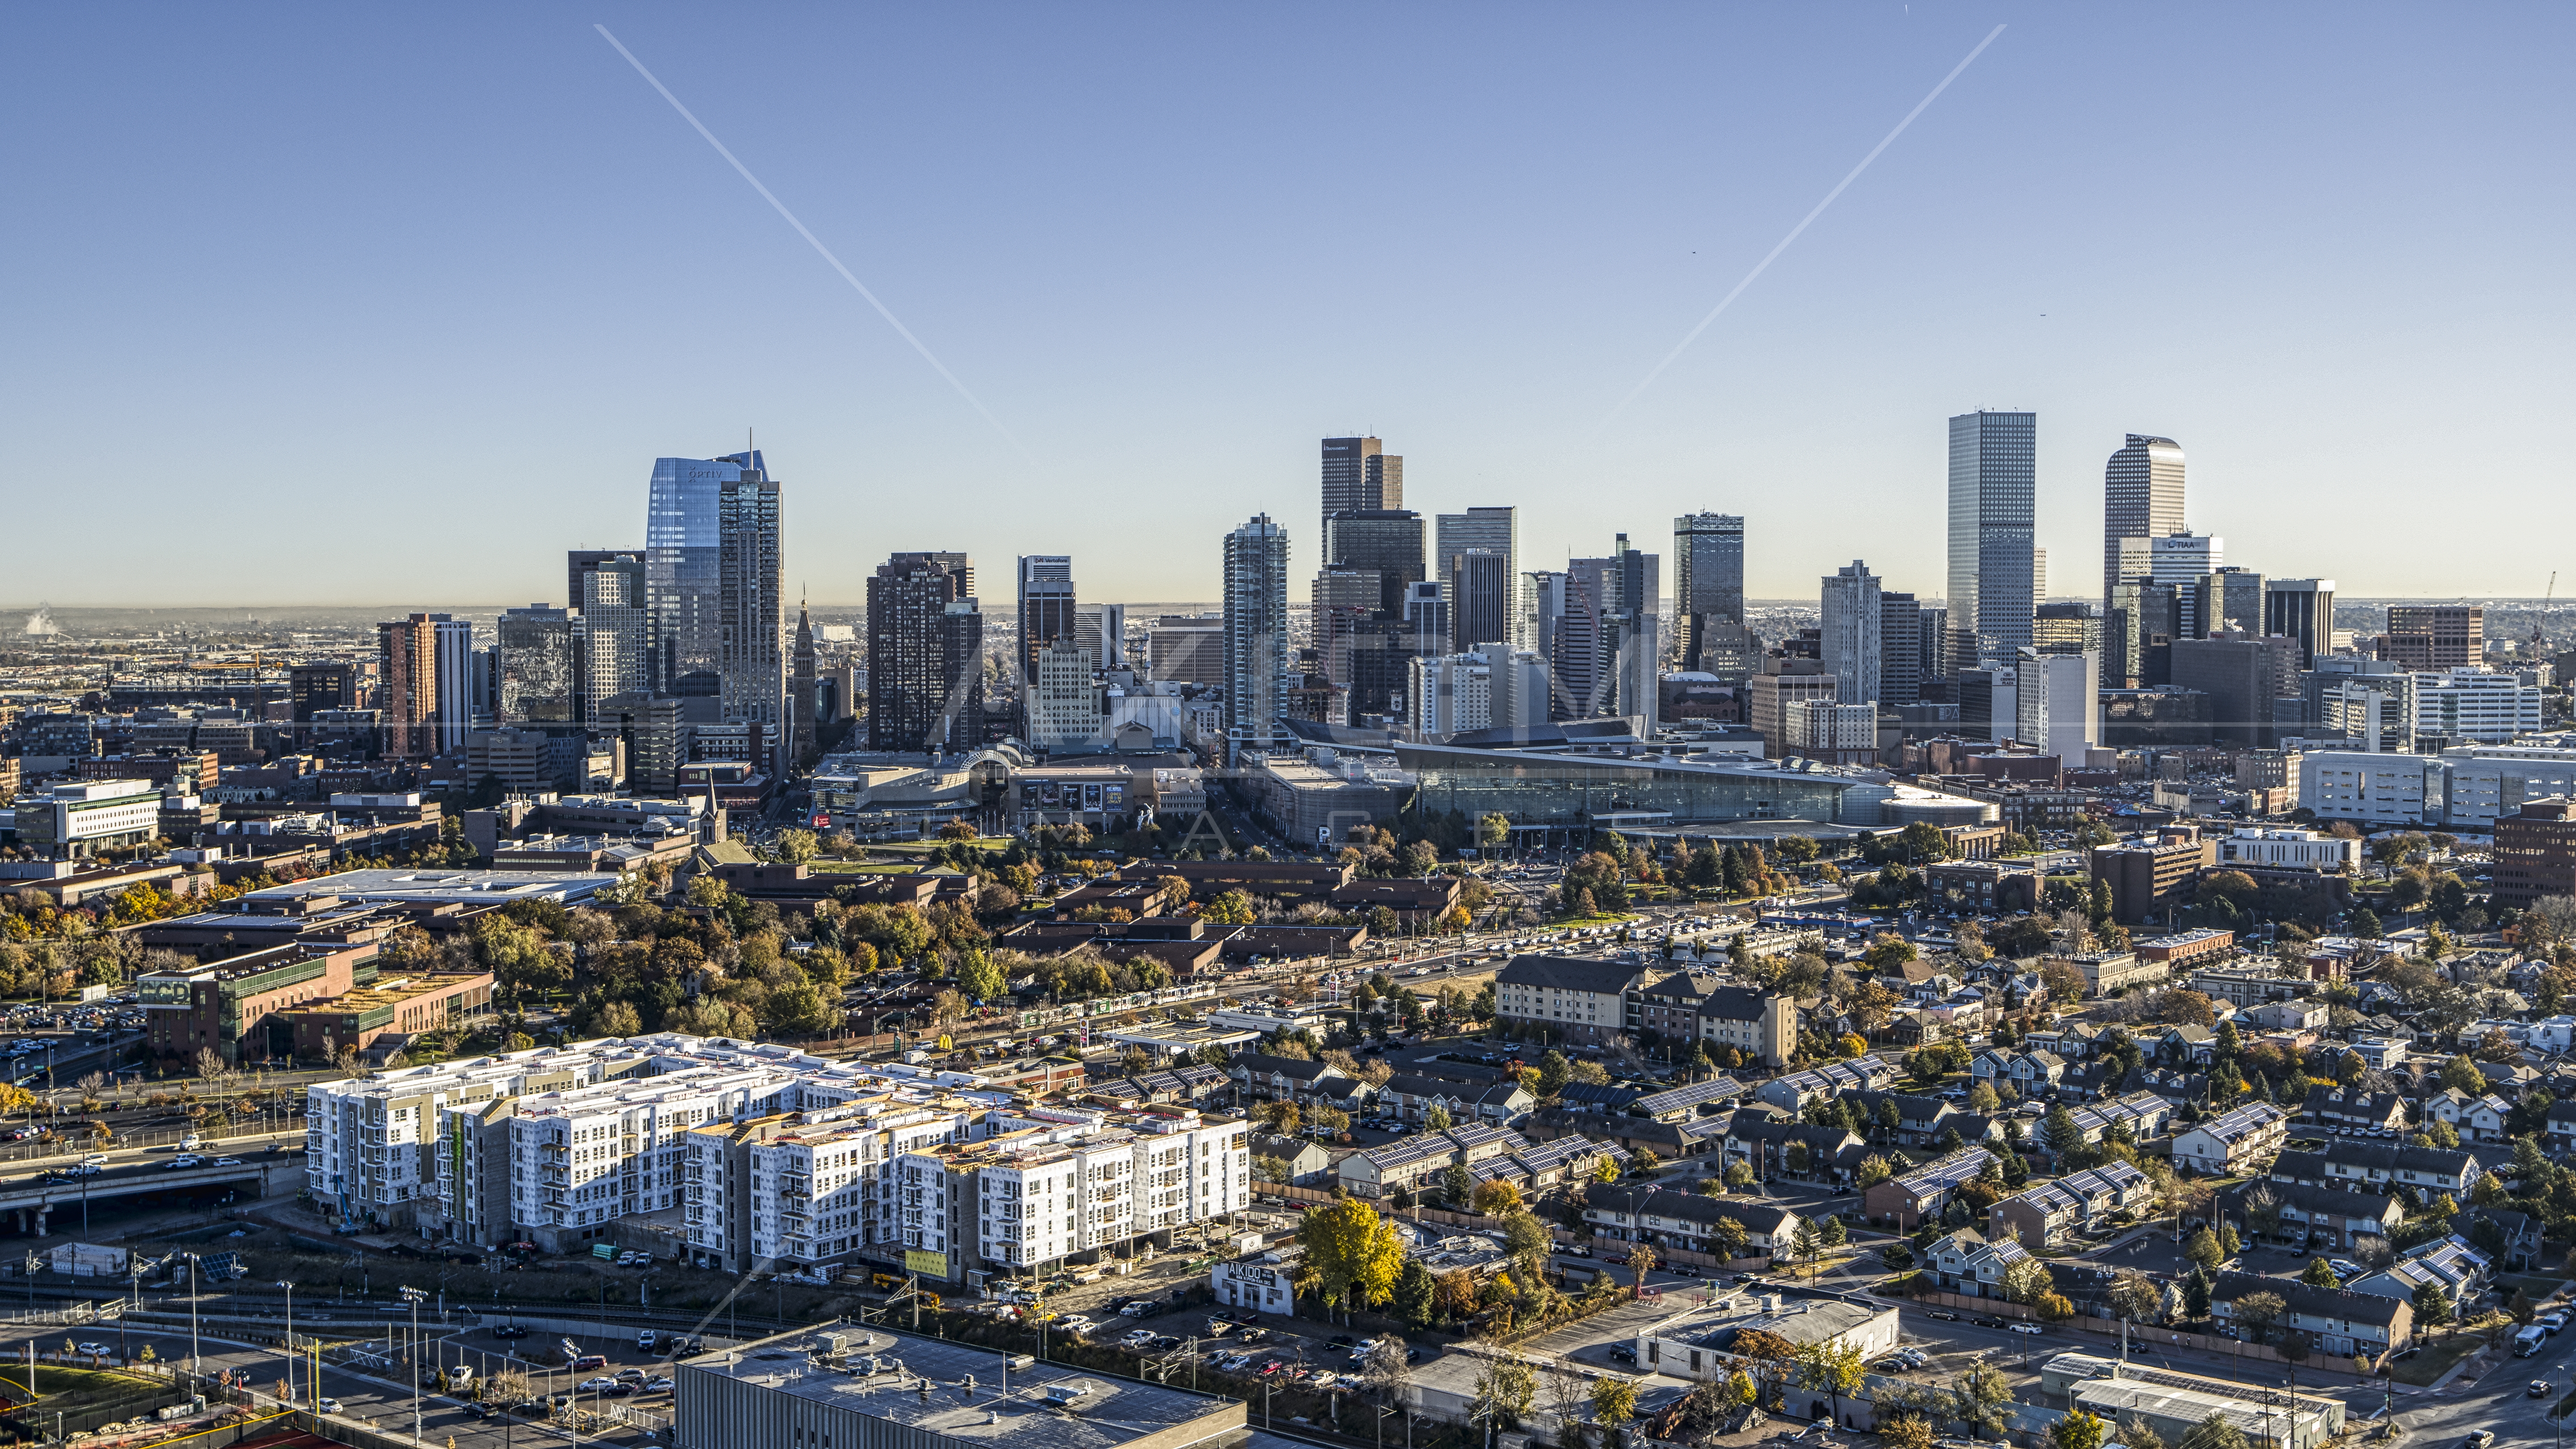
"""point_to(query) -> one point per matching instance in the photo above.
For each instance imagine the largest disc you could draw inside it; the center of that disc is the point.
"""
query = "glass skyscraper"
(1993, 489)
(1256, 632)
(2142, 497)
(1708, 593)
(684, 570)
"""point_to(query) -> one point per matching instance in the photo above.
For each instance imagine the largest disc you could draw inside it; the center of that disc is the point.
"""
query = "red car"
(1270, 1368)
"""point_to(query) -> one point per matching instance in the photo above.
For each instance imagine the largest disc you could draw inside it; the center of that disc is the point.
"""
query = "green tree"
(2433, 1306)
(1414, 1295)
(2213, 1432)
(1504, 1393)
(1458, 1186)
(2059, 1132)
(1834, 1366)
(1874, 1170)
(2258, 1312)
(1232, 908)
(2202, 1248)
(1493, 831)
(798, 846)
(2320, 1274)
(1614, 1399)
(1730, 1238)
(980, 977)
(1553, 1073)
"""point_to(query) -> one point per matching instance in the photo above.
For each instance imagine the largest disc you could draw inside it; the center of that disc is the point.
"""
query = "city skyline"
(336, 304)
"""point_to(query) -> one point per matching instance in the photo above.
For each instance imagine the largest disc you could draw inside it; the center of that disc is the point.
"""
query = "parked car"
(508, 1330)
(330, 1406)
(597, 1384)
(2029, 1328)
(659, 1384)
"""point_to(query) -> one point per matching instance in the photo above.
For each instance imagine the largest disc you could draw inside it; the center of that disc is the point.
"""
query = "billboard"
(933, 1265)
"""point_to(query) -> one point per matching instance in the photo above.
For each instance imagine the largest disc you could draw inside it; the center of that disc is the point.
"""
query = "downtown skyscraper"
(751, 596)
(1256, 635)
(925, 655)
(1360, 476)
(2142, 497)
(714, 586)
(1993, 500)
(1708, 594)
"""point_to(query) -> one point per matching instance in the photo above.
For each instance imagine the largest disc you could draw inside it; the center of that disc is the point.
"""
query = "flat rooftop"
(935, 1386)
(463, 887)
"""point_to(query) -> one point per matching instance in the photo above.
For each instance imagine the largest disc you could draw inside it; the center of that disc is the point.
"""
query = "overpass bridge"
(29, 1203)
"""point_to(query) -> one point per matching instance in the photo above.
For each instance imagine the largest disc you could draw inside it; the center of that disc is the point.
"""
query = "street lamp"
(289, 1286)
(413, 1296)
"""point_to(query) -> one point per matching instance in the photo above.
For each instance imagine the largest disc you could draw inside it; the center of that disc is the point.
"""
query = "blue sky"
(357, 304)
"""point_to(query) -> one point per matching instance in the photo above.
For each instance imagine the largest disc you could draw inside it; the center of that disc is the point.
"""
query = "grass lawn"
(857, 867)
(924, 847)
(61, 1383)
(2436, 1359)
(2541, 1286)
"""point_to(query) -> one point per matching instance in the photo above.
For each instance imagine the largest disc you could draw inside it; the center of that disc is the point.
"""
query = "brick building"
(2535, 852)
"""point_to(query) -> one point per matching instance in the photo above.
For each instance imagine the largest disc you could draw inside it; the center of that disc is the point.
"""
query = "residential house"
(2071, 1041)
(2305, 1216)
(1904, 1202)
(1971, 1264)
(2186, 1044)
(1690, 1102)
(1762, 1027)
(2080, 1202)
(1686, 1220)
(1411, 1098)
(2029, 1072)
(1566, 998)
(2381, 1166)
(2450, 1264)
(1282, 1079)
(1920, 1118)
(1599, 1096)
(2558, 1130)
(2353, 1109)
(1794, 1090)
(1300, 1161)
(1410, 1164)
(2510, 1238)
(2178, 1086)
(2342, 1323)
(1779, 1148)
(2300, 1014)
(1546, 1166)
(2231, 1141)
(2144, 1114)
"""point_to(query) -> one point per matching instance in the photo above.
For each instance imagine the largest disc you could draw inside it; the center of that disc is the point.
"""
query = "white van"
(2529, 1341)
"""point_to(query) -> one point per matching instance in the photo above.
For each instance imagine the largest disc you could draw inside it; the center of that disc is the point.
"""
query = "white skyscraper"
(2057, 706)
(454, 681)
(1851, 649)
(1993, 486)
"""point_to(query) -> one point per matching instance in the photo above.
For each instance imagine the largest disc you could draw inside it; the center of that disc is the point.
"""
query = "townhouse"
(1410, 1164)
(2029, 1072)
(2232, 1140)
(1544, 1167)
(2342, 1323)
(2144, 1114)
(1792, 1091)
(1411, 1098)
(2080, 1202)
(1284, 1079)
(2354, 1111)
(1904, 1202)
(2476, 1119)
(1777, 1147)
(1973, 1265)
(2303, 1215)
(2450, 1264)
(1919, 1119)
(2381, 1167)
(1687, 1220)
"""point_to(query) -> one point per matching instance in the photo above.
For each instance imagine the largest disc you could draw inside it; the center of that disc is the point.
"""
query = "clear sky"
(357, 304)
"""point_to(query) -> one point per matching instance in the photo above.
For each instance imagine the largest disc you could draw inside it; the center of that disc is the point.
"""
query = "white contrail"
(1759, 267)
(816, 243)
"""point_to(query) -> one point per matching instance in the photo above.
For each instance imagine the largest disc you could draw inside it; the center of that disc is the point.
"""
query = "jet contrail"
(1758, 268)
(811, 240)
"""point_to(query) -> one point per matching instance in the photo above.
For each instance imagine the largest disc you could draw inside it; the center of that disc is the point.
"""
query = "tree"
(1351, 1250)
(1414, 1294)
(1614, 1399)
(2025, 1278)
(1528, 1241)
(1437, 1119)
(2053, 1307)
(1875, 1169)
(2202, 1248)
(2078, 1430)
(1457, 1186)
(1730, 1237)
(1977, 1398)
(619, 1018)
(1905, 1431)
(1834, 1366)
(2320, 1274)
(1504, 1392)
(2433, 1307)
(1641, 1261)
(1739, 1176)
(2258, 1312)
(2059, 1132)
(1232, 908)
(1497, 1198)
(2213, 1432)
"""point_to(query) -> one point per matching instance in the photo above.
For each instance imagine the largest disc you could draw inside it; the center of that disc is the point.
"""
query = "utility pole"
(192, 1316)
(413, 1296)
(289, 1286)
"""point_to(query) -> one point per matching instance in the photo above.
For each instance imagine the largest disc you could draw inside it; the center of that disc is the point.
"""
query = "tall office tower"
(454, 642)
(921, 695)
(1935, 637)
(1639, 654)
(684, 522)
(1426, 618)
(2180, 559)
(1851, 637)
(1579, 683)
(2057, 704)
(1360, 476)
(797, 739)
(2135, 561)
(1993, 486)
(1516, 685)
(613, 632)
(2068, 628)
(1478, 588)
(2229, 598)
(1385, 542)
(751, 598)
(1100, 630)
(2038, 576)
(2429, 638)
(581, 563)
(2138, 635)
(2302, 609)
(1709, 592)
(1900, 649)
(1494, 530)
(1256, 634)
(2142, 497)
(407, 683)
(540, 673)
(312, 687)
(1046, 606)
(1342, 602)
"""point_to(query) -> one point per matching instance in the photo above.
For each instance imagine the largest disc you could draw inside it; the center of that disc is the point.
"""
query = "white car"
(1075, 1323)
(98, 1350)
(2033, 1329)
(599, 1385)
(1137, 1336)
(330, 1406)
